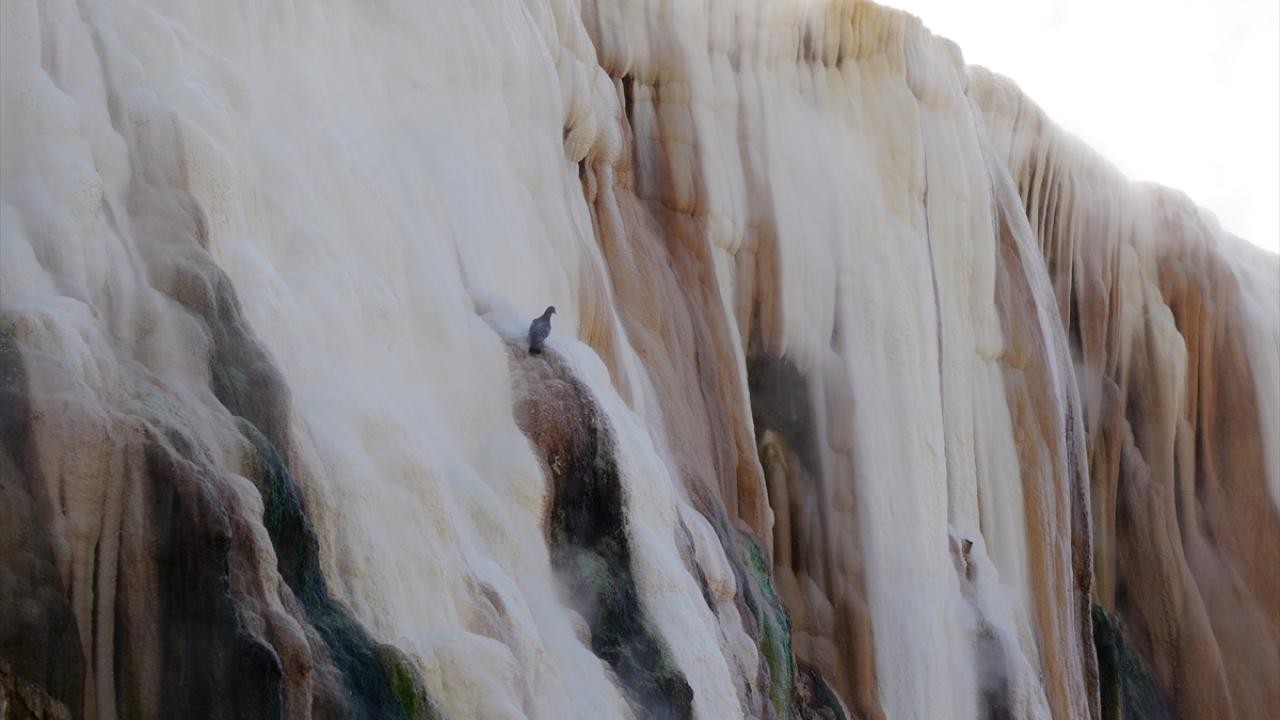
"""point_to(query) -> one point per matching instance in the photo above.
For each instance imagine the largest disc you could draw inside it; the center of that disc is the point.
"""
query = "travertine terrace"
(871, 393)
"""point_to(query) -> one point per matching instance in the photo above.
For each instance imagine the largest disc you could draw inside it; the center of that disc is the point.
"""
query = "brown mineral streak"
(1186, 536)
(1042, 458)
(661, 266)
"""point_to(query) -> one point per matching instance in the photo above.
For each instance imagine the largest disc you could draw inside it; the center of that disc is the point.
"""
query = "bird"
(539, 329)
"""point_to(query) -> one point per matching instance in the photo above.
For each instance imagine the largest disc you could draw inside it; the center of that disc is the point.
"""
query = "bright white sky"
(1185, 93)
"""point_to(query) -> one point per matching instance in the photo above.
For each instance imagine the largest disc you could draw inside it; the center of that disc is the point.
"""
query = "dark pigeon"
(539, 329)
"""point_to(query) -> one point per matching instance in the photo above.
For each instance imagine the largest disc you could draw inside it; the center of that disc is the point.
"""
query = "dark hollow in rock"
(780, 402)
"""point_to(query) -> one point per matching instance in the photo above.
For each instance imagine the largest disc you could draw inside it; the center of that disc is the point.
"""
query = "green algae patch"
(587, 536)
(592, 553)
(380, 682)
(773, 624)
(1128, 689)
(406, 684)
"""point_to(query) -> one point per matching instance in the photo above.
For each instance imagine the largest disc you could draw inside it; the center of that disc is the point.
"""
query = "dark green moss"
(406, 693)
(1128, 689)
(407, 685)
(376, 687)
(773, 626)
(591, 552)
(246, 382)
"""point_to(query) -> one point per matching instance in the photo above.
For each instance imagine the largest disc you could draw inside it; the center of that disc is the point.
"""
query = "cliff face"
(870, 392)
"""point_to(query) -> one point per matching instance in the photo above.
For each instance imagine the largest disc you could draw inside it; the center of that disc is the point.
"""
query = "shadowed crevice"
(40, 657)
(780, 402)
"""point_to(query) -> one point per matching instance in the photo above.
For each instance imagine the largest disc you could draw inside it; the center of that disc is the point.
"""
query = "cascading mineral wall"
(1177, 341)
(871, 393)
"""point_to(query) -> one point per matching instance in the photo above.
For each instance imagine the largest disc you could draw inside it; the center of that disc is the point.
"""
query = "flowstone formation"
(872, 393)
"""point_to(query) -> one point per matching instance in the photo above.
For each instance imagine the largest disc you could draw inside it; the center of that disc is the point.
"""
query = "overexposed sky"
(1185, 93)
